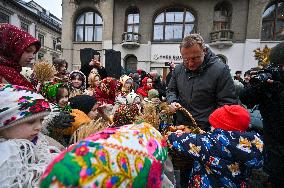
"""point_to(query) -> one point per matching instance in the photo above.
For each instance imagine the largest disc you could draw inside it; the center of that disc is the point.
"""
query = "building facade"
(148, 33)
(34, 19)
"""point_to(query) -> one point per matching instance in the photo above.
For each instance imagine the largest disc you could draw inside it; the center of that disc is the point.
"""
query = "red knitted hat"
(230, 118)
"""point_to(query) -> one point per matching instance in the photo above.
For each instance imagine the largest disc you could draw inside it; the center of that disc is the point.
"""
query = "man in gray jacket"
(200, 84)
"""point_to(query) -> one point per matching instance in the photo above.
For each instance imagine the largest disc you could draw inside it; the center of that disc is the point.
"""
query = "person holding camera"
(94, 65)
(267, 89)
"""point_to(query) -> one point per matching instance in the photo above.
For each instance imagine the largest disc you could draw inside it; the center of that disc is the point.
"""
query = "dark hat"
(84, 103)
(238, 72)
(247, 72)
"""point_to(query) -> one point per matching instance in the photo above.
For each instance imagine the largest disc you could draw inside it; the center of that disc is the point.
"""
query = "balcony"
(221, 39)
(130, 40)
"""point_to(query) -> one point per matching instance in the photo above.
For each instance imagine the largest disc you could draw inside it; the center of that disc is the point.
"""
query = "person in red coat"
(17, 49)
(147, 84)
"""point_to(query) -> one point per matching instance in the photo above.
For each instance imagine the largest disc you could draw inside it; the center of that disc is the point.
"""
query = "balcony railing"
(222, 38)
(222, 35)
(131, 40)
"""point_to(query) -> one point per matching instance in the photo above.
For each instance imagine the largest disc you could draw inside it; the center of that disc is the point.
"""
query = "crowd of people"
(86, 129)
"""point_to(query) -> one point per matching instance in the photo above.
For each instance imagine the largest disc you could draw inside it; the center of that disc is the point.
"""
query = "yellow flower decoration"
(258, 143)
(244, 144)
(234, 168)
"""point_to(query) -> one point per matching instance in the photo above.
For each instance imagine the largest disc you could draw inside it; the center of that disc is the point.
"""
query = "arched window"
(88, 27)
(273, 22)
(131, 63)
(173, 24)
(132, 23)
(222, 16)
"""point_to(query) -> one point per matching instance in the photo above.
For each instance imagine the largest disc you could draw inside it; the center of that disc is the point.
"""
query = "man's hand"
(270, 81)
(175, 106)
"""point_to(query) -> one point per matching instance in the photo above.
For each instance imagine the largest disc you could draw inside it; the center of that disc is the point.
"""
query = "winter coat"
(203, 90)
(22, 162)
(222, 158)
(160, 87)
(14, 42)
(143, 91)
(168, 77)
(271, 105)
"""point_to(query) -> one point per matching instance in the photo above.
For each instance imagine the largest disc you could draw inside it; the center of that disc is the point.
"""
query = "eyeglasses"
(194, 59)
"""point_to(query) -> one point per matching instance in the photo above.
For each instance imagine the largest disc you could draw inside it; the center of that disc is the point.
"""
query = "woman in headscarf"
(17, 49)
(147, 84)
(106, 92)
(77, 83)
(94, 80)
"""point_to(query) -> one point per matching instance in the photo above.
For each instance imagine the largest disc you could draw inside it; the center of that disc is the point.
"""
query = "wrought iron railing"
(131, 37)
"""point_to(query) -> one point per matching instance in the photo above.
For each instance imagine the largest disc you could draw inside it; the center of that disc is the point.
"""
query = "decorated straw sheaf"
(262, 56)
(44, 71)
(150, 115)
(87, 129)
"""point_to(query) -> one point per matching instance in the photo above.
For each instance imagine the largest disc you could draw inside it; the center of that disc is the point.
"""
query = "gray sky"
(54, 6)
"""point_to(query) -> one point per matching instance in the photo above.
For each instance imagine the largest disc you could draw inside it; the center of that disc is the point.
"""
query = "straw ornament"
(44, 71)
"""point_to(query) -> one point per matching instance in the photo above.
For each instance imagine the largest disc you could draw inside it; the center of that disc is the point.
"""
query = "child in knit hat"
(25, 152)
(57, 94)
(153, 97)
(225, 157)
(87, 112)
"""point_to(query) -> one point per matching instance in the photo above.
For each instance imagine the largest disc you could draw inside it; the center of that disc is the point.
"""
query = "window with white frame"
(173, 24)
(273, 22)
(88, 27)
(222, 16)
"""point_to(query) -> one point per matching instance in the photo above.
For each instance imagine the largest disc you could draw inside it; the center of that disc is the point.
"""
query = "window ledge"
(271, 41)
(96, 42)
(165, 42)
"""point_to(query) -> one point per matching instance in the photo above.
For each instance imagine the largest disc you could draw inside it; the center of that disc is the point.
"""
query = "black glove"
(63, 120)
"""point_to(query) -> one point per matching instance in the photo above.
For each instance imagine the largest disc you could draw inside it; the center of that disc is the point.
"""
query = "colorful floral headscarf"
(13, 43)
(129, 156)
(50, 90)
(105, 93)
(19, 103)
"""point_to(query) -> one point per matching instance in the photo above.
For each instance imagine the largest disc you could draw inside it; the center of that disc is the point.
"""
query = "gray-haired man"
(201, 83)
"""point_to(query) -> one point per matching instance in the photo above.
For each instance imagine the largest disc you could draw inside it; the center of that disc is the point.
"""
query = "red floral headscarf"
(13, 43)
(105, 93)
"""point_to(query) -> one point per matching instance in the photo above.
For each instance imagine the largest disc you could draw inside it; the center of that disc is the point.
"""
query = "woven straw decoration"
(44, 71)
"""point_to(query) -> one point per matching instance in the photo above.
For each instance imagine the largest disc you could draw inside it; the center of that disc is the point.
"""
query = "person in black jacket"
(201, 84)
(94, 63)
(169, 75)
(158, 84)
(266, 89)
